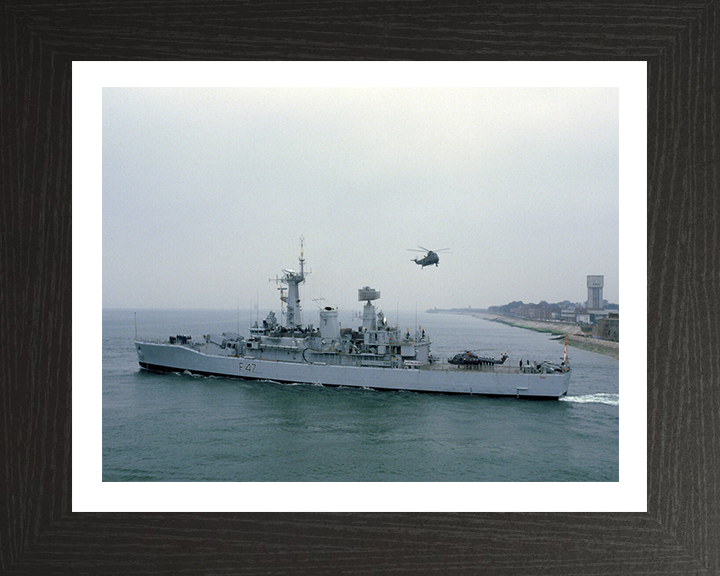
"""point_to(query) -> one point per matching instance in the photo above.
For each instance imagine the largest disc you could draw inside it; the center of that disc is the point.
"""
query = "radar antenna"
(368, 294)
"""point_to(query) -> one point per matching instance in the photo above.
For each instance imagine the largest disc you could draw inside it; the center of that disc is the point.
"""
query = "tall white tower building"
(595, 296)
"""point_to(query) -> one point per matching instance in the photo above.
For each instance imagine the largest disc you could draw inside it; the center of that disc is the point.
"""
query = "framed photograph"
(659, 515)
(212, 181)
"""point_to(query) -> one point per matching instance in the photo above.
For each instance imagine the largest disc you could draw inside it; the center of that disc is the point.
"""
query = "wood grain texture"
(680, 533)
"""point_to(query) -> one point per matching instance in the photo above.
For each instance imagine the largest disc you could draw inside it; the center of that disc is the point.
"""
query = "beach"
(574, 335)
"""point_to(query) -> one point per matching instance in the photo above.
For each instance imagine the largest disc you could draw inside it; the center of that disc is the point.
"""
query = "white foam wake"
(599, 398)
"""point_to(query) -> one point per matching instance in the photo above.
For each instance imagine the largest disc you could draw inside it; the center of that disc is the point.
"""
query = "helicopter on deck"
(431, 256)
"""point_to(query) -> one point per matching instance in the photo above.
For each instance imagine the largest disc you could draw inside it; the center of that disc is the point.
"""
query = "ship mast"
(293, 280)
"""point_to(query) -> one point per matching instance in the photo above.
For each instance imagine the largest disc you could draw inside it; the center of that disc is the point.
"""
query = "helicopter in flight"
(431, 256)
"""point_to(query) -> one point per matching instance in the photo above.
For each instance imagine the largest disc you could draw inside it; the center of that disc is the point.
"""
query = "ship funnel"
(329, 326)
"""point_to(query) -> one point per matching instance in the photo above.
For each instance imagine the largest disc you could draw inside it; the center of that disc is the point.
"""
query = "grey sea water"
(183, 428)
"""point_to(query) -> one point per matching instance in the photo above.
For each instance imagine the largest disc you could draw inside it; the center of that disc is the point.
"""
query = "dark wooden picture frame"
(39, 534)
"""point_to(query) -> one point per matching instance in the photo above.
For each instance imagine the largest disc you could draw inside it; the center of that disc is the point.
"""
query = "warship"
(373, 355)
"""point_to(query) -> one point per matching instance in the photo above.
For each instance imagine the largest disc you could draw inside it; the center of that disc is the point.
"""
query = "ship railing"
(145, 340)
(497, 368)
(506, 369)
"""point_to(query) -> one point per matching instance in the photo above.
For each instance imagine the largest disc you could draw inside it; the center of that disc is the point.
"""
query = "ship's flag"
(565, 357)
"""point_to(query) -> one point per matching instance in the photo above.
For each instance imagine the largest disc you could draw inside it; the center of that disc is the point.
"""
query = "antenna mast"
(293, 280)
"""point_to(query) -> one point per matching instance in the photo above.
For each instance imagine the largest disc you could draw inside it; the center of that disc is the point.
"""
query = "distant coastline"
(572, 331)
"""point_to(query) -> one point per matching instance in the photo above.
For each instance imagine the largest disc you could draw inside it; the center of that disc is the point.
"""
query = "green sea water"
(184, 428)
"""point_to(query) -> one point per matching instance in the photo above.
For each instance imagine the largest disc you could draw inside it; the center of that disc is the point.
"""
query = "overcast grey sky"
(206, 193)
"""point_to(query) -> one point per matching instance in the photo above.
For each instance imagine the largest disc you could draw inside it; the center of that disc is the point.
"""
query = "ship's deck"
(358, 360)
(445, 366)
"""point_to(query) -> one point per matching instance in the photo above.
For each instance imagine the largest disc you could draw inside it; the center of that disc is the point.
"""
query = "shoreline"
(572, 331)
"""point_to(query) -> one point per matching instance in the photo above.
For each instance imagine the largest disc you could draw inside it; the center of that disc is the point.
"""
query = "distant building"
(595, 292)
(542, 311)
(583, 318)
(608, 328)
(568, 314)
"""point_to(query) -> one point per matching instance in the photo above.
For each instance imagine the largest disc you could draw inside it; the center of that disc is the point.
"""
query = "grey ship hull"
(433, 377)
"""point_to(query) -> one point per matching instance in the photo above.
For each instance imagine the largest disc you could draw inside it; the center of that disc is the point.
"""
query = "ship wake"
(599, 398)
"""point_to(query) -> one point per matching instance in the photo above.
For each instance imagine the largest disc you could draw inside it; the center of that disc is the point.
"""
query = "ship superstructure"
(373, 355)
